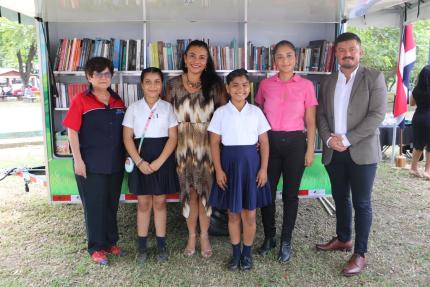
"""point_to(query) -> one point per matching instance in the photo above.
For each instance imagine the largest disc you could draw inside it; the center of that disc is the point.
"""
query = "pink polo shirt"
(284, 102)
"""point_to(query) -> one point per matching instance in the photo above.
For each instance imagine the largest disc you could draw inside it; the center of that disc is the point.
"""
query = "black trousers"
(348, 178)
(100, 197)
(287, 157)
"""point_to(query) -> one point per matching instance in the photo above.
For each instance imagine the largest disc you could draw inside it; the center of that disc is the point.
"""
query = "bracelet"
(139, 162)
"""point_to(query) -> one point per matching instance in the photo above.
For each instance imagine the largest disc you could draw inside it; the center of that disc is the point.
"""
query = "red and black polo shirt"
(100, 131)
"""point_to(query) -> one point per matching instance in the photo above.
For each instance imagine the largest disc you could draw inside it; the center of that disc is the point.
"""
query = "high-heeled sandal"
(208, 252)
(190, 252)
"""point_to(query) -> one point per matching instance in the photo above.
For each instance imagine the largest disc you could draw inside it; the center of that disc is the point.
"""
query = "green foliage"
(422, 41)
(15, 37)
(381, 48)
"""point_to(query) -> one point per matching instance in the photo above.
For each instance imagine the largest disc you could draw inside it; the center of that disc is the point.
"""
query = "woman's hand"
(80, 168)
(145, 168)
(221, 179)
(309, 157)
(261, 177)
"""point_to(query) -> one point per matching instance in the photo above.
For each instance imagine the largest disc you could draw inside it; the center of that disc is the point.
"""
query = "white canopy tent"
(360, 12)
(389, 12)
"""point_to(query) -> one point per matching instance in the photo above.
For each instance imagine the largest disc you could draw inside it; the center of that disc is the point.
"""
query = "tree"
(18, 47)
(381, 48)
(422, 41)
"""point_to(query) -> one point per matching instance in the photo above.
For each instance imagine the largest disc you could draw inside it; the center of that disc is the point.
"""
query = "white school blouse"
(138, 113)
(238, 128)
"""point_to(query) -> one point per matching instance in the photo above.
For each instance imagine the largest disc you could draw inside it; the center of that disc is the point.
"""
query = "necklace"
(196, 85)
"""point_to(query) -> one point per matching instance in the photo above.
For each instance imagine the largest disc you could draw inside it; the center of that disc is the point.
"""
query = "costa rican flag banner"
(407, 57)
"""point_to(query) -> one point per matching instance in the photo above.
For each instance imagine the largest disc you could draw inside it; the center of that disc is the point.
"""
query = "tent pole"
(393, 143)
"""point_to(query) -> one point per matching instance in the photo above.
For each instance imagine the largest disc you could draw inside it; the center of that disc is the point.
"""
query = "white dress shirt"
(138, 113)
(239, 127)
(342, 95)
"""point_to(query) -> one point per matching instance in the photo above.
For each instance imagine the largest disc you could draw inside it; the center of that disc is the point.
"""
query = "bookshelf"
(260, 22)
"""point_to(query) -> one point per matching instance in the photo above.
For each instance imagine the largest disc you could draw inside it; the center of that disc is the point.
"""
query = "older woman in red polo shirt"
(289, 103)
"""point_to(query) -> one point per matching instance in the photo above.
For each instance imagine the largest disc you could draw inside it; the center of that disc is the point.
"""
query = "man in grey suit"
(352, 105)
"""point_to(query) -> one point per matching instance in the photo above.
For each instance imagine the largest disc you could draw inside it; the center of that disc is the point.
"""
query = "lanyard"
(151, 115)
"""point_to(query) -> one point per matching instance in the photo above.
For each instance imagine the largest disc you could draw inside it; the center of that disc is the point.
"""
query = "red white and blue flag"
(407, 57)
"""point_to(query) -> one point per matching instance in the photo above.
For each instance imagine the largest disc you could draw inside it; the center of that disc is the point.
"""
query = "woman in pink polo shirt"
(289, 103)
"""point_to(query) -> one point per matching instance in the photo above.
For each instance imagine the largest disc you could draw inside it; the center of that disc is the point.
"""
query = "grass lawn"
(44, 245)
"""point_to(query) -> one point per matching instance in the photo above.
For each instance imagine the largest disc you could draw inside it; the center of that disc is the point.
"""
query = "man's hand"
(336, 143)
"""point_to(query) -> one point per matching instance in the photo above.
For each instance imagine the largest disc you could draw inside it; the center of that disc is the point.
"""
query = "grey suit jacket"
(366, 111)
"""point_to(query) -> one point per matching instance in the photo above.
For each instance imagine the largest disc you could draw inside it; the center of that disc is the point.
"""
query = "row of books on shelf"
(167, 56)
(128, 55)
(129, 93)
(66, 92)
(317, 57)
(72, 54)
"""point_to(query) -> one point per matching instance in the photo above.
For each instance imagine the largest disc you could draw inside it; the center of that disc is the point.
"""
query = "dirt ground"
(44, 245)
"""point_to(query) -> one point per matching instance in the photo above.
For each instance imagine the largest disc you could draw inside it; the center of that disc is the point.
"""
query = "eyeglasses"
(98, 75)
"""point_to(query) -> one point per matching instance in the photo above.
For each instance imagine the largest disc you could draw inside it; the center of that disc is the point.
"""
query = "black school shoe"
(245, 263)
(268, 244)
(233, 264)
(141, 257)
(285, 252)
(162, 255)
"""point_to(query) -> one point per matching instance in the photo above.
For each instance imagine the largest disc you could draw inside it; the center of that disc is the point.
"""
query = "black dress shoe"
(141, 257)
(233, 264)
(162, 255)
(268, 244)
(284, 252)
(245, 263)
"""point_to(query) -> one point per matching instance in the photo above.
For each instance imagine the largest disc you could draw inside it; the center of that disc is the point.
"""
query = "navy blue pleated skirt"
(164, 180)
(241, 165)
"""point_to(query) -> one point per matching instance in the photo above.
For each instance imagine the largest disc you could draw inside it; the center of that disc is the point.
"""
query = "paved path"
(20, 119)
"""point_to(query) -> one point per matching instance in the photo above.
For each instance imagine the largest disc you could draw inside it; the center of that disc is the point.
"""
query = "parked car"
(16, 90)
(21, 91)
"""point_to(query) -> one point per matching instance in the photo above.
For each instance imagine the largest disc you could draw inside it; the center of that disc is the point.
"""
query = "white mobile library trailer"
(260, 22)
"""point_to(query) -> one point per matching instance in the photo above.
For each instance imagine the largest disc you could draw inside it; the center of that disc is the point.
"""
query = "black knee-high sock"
(161, 242)
(142, 243)
(236, 252)
(246, 251)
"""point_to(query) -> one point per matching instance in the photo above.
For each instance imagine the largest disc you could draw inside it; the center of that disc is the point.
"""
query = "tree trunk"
(26, 72)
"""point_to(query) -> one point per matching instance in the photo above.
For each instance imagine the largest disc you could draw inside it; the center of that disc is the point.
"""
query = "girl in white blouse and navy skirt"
(154, 175)
(241, 171)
